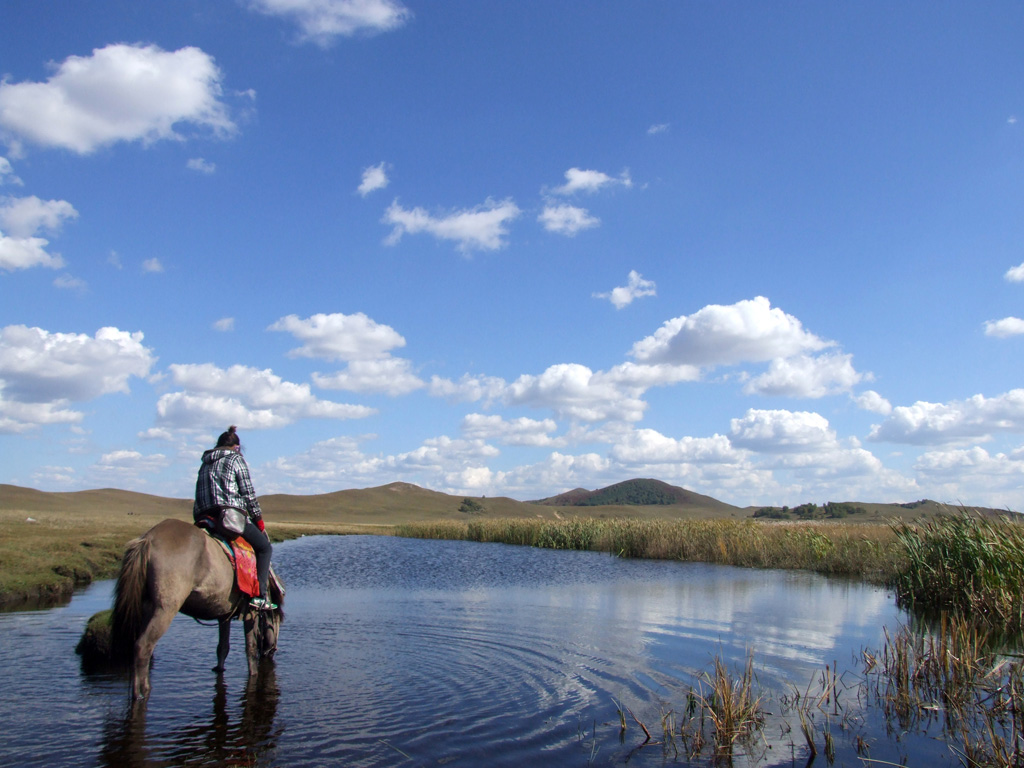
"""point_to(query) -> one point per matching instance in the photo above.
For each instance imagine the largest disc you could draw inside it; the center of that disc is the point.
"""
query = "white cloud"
(339, 336)
(69, 283)
(42, 372)
(567, 219)
(482, 227)
(657, 128)
(579, 180)
(961, 475)
(873, 402)
(1003, 329)
(25, 253)
(748, 331)
(129, 464)
(224, 325)
(976, 418)
(7, 175)
(781, 431)
(201, 165)
(119, 93)
(390, 375)
(249, 397)
(152, 266)
(321, 21)
(375, 177)
(521, 431)
(806, 376)
(648, 446)
(39, 366)
(469, 389)
(635, 288)
(23, 217)
(1015, 274)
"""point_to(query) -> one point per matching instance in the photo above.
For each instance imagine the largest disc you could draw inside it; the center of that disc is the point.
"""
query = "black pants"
(261, 547)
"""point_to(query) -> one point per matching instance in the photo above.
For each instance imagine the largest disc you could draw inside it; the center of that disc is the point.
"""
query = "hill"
(640, 492)
(397, 503)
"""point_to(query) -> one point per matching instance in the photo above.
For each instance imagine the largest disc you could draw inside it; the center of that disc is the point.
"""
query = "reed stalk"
(863, 550)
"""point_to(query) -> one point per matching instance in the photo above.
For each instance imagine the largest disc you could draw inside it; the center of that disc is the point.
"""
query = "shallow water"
(409, 652)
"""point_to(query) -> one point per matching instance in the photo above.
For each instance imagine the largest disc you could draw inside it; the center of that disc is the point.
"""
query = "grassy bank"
(869, 551)
(44, 556)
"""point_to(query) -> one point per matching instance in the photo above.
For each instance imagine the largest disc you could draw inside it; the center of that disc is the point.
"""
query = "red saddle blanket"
(241, 555)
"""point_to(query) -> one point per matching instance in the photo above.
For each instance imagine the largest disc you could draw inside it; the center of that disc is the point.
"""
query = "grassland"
(52, 542)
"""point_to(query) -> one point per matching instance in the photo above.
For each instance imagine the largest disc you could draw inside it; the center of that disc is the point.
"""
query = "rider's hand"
(260, 525)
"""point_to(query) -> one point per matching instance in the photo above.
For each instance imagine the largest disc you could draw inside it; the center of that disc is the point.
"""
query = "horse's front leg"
(252, 641)
(223, 644)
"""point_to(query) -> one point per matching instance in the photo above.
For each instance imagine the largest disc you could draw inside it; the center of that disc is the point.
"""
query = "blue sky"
(770, 252)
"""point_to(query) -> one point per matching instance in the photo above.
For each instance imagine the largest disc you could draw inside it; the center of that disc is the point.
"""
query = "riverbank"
(45, 556)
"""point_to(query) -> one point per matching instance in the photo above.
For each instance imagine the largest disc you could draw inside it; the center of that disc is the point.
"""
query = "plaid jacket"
(224, 482)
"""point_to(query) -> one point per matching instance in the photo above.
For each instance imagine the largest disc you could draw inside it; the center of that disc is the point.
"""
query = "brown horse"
(174, 567)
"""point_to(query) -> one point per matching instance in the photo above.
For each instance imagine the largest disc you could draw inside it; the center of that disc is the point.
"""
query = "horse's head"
(274, 618)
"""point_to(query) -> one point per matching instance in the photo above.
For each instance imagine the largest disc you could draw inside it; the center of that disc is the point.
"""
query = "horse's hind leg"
(223, 644)
(155, 628)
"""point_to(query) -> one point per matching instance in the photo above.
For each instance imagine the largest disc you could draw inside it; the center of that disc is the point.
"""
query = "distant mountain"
(638, 493)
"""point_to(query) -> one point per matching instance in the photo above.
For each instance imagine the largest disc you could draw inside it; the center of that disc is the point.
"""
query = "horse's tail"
(129, 597)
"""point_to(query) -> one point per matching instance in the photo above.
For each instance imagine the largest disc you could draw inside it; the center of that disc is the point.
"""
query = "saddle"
(240, 554)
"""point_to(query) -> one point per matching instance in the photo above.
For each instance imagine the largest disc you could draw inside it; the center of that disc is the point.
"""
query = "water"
(408, 652)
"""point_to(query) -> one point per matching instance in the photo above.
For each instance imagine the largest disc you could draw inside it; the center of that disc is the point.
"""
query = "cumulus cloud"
(23, 217)
(635, 288)
(976, 418)
(873, 402)
(389, 375)
(68, 282)
(249, 397)
(119, 93)
(468, 389)
(339, 337)
(152, 266)
(375, 177)
(21, 220)
(479, 228)
(224, 325)
(25, 253)
(774, 431)
(648, 446)
(579, 180)
(567, 219)
(41, 373)
(1003, 329)
(521, 431)
(657, 128)
(748, 331)
(1015, 274)
(129, 465)
(806, 376)
(322, 21)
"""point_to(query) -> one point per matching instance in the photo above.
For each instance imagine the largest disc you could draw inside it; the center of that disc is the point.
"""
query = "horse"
(177, 567)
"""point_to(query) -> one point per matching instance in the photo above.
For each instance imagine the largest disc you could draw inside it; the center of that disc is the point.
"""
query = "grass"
(869, 551)
(46, 555)
(967, 564)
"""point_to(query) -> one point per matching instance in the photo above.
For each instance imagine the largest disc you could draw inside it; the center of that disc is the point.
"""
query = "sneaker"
(262, 604)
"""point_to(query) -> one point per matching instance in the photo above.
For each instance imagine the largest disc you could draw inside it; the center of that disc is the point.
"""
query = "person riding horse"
(224, 485)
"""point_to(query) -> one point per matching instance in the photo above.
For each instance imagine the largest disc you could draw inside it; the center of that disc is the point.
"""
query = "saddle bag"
(226, 522)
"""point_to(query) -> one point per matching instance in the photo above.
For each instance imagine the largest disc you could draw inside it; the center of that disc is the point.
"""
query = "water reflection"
(449, 652)
(215, 739)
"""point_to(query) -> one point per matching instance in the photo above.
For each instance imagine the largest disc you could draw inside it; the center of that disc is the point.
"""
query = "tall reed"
(967, 564)
(864, 550)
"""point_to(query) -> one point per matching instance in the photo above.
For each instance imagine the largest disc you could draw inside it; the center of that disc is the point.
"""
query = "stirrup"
(262, 604)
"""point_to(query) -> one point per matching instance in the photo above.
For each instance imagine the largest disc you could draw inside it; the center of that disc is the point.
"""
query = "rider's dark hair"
(229, 439)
